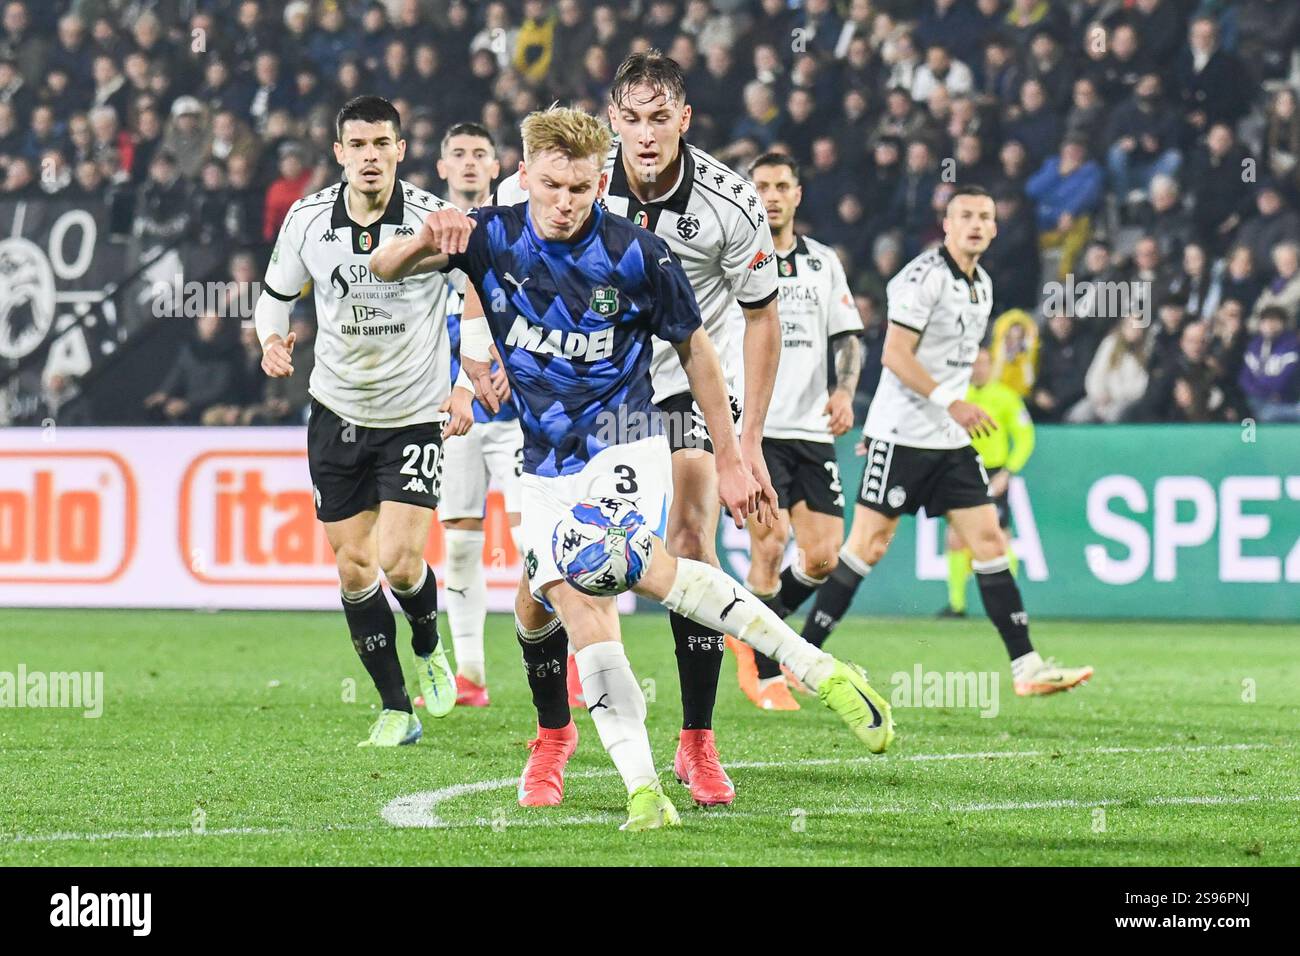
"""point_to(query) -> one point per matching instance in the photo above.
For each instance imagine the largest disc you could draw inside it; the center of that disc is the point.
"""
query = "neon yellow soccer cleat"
(394, 728)
(437, 682)
(847, 693)
(649, 809)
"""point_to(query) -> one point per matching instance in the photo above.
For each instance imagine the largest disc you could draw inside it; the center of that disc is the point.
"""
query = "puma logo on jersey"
(519, 286)
(416, 484)
(569, 345)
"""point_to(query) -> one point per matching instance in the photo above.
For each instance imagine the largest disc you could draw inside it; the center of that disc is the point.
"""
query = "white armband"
(945, 395)
(475, 339)
(271, 317)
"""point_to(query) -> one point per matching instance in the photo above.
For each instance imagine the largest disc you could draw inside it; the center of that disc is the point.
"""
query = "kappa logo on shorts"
(897, 495)
(416, 484)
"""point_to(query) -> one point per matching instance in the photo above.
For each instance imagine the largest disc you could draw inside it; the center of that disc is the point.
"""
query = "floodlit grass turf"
(242, 716)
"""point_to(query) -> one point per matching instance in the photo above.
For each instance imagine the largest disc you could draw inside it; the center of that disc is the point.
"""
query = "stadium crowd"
(1145, 145)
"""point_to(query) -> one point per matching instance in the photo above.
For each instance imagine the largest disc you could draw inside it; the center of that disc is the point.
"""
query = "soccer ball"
(602, 546)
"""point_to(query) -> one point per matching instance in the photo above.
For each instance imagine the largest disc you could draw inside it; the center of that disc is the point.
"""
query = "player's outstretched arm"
(476, 353)
(762, 350)
(445, 233)
(900, 358)
(737, 487)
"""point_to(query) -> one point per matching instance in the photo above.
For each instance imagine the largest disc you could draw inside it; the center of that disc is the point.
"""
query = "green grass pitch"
(1182, 750)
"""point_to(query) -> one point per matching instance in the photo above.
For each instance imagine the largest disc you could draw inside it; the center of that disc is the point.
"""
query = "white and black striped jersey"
(815, 306)
(932, 296)
(714, 223)
(382, 358)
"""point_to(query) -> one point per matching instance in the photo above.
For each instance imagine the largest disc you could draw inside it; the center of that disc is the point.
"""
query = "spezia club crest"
(896, 496)
(604, 301)
(688, 226)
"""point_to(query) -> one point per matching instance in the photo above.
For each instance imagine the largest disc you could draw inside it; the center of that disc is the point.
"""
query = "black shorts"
(902, 480)
(354, 467)
(805, 471)
(684, 425)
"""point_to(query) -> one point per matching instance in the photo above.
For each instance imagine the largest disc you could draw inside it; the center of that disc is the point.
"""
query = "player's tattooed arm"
(848, 364)
(737, 487)
(900, 358)
(444, 233)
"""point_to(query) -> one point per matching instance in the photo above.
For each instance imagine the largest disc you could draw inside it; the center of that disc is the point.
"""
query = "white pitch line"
(420, 810)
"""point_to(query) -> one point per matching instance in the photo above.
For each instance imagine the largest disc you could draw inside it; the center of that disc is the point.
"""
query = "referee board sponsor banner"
(1155, 521)
(182, 517)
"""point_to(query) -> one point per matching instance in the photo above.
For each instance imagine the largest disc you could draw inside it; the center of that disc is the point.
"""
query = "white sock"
(1025, 665)
(618, 711)
(707, 596)
(466, 592)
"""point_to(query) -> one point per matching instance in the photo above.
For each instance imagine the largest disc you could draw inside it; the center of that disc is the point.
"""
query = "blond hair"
(577, 134)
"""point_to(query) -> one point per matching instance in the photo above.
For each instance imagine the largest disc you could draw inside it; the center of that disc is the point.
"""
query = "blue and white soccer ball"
(602, 546)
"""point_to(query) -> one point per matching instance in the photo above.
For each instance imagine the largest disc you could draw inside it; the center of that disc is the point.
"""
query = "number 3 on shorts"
(627, 480)
(426, 458)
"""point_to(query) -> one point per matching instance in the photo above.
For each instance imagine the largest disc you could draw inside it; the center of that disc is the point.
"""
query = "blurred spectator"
(1015, 351)
(1267, 32)
(188, 135)
(1274, 222)
(208, 371)
(1270, 375)
(1012, 259)
(15, 91)
(1046, 63)
(910, 209)
(1283, 289)
(163, 209)
(1211, 80)
(1086, 119)
(1063, 360)
(1034, 124)
(1282, 139)
(940, 69)
(1185, 387)
(1143, 136)
(1171, 313)
(1067, 190)
(1215, 181)
(1227, 348)
(286, 190)
(762, 120)
(1117, 377)
(1200, 282)
(1164, 218)
(19, 42)
(1241, 282)
(535, 44)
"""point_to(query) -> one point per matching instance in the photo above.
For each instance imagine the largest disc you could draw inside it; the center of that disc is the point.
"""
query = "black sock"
(699, 663)
(766, 666)
(794, 591)
(374, 635)
(1003, 605)
(421, 610)
(546, 656)
(833, 600)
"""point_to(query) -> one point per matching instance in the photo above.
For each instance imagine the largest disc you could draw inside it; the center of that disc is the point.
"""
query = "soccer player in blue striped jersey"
(574, 297)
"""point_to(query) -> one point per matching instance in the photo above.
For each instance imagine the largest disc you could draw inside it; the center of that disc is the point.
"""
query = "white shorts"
(491, 450)
(641, 471)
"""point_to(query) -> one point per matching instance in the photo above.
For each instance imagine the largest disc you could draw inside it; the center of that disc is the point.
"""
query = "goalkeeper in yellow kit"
(1003, 451)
